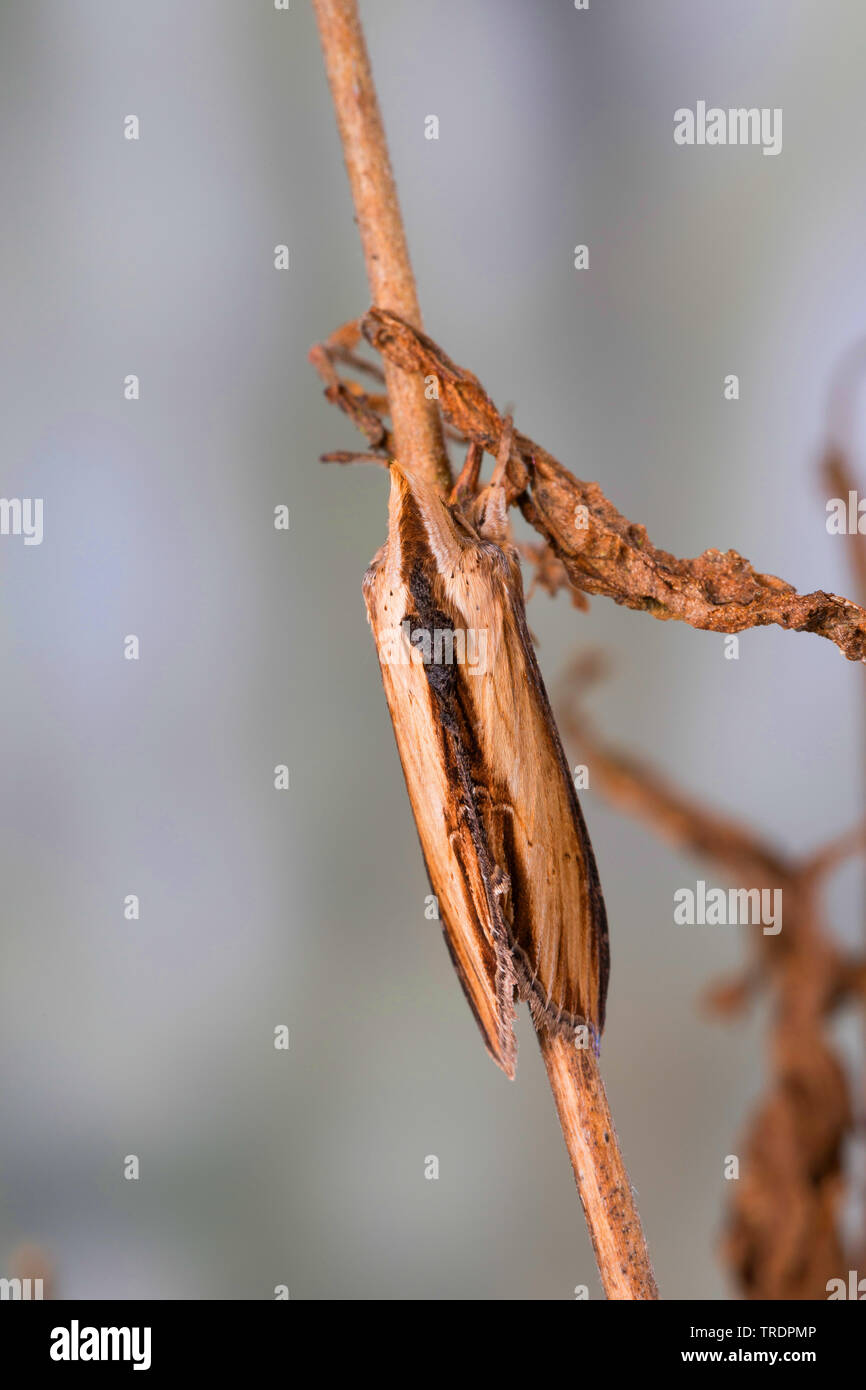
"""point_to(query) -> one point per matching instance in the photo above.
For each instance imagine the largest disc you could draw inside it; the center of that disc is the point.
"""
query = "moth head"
(449, 528)
(420, 521)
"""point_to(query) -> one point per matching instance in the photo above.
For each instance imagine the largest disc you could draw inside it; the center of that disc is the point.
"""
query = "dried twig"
(602, 1181)
(601, 551)
(417, 427)
(589, 545)
(604, 1189)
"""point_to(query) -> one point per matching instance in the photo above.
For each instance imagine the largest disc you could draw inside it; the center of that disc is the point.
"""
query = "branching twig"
(601, 551)
(589, 545)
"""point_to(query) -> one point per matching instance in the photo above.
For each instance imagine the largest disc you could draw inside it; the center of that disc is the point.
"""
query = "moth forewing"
(452, 838)
(502, 834)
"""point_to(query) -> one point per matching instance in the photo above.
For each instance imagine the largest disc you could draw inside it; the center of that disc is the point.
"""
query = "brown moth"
(505, 844)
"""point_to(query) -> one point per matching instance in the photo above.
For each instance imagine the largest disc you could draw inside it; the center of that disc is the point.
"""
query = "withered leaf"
(603, 552)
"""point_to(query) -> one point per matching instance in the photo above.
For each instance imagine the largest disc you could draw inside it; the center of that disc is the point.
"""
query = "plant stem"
(417, 424)
(599, 1171)
(602, 1182)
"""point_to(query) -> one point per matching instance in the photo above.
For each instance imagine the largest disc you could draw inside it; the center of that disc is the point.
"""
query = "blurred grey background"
(306, 907)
